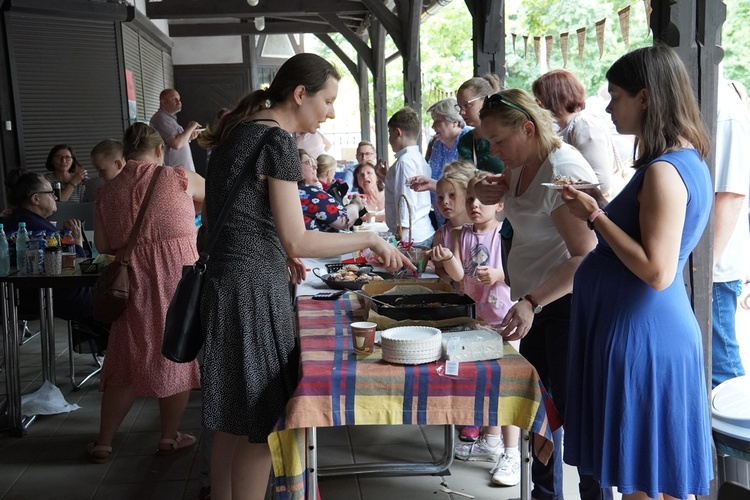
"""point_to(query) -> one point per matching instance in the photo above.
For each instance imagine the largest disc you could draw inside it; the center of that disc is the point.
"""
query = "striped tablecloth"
(338, 387)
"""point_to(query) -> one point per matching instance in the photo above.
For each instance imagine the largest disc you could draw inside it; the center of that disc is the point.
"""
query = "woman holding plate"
(548, 245)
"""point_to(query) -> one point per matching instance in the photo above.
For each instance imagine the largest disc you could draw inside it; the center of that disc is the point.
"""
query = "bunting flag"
(624, 16)
(581, 32)
(600, 36)
(647, 5)
(548, 47)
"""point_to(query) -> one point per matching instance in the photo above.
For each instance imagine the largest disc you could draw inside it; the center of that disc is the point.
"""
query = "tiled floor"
(51, 462)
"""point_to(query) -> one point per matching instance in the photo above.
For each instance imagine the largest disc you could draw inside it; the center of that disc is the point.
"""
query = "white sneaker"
(507, 470)
(478, 450)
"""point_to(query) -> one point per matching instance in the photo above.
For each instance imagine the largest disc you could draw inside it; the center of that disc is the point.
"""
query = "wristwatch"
(535, 306)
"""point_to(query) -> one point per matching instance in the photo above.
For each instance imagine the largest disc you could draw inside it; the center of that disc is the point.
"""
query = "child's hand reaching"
(441, 254)
(489, 275)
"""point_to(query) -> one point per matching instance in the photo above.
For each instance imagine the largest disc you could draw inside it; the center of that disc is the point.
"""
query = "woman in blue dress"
(637, 413)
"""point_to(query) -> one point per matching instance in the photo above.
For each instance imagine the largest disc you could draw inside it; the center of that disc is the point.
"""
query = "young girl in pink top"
(474, 258)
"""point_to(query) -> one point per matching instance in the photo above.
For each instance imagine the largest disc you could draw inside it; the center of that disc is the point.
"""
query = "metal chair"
(83, 339)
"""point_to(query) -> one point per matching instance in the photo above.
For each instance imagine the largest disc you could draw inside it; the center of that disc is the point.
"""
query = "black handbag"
(183, 333)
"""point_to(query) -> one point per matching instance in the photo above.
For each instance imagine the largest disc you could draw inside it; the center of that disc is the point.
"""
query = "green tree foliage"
(735, 36)
(447, 55)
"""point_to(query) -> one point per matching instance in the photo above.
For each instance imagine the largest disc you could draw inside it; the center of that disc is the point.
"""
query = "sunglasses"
(459, 108)
(495, 100)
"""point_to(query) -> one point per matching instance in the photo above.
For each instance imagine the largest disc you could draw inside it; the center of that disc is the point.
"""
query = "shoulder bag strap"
(238, 183)
(139, 220)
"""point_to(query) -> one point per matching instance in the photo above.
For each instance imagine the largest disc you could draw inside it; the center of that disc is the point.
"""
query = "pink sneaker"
(469, 433)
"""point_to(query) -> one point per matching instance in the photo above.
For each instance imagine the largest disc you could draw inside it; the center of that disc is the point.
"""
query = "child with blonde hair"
(475, 259)
(451, 204)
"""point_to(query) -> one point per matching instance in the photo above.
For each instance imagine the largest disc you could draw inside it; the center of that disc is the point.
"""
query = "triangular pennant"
(525, 45)
(548, 47)
(600, 36)
(624, 16)
(564, 48)
(581, 32)
(537, 39)
(514, 36)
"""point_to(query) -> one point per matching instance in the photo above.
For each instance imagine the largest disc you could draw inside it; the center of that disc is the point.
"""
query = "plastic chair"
(82, 339)
(733, 491)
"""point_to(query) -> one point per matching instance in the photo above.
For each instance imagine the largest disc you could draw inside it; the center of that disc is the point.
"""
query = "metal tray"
(413, 307)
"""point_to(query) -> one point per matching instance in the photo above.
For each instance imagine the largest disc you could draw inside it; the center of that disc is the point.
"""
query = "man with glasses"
(176, 139)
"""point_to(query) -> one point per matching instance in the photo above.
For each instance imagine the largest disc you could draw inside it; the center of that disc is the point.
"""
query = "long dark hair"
(672, 113)
(51, 166)
(20, 185)
(308, 70)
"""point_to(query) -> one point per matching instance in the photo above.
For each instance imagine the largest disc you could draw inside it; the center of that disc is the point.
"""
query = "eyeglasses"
(495, 100)
(460, 108)
(365, 153)
(52, 193)
(64, 158)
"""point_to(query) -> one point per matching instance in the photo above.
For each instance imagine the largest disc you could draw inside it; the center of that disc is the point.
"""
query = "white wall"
(207, 50)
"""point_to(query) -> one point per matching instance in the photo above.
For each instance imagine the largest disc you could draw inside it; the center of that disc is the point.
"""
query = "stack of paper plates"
(411, 345)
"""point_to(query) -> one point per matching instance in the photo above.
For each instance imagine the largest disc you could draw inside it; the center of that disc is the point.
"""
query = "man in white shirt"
(731, 233)
(176, 139)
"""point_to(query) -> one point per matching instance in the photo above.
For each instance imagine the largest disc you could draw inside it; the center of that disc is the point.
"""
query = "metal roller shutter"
(66, 84)
(132, 53)
(152, 71)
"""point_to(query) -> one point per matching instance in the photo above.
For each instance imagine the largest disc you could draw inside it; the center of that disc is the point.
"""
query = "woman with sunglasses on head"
(65, 168)
(548, 245)
(637, 414)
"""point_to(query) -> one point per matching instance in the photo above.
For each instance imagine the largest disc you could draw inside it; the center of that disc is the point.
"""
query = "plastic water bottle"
(68, 242)
(22, 243)
(4, 256)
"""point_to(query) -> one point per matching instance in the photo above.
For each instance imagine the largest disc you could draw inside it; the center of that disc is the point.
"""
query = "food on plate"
(564, 180)
(348, 274)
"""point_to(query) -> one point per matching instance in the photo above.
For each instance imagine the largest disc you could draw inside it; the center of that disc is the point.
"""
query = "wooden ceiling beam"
(185, 9)
(233, 29)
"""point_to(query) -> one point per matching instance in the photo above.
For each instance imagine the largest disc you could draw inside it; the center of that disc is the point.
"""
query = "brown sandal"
(180, 442)
(99, 453)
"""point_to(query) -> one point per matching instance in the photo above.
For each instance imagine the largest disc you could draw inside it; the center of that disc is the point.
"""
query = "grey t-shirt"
(167, 126)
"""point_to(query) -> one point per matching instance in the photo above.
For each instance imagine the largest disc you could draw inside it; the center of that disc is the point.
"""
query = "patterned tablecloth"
(338, 387)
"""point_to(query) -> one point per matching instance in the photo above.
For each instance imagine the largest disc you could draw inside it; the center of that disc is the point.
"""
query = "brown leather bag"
(112, 288)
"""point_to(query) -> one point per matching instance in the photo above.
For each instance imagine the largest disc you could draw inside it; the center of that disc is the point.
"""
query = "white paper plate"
(559, 187)
(410, 333)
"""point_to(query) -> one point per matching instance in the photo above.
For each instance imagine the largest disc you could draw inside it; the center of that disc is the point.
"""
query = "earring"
(268, 103)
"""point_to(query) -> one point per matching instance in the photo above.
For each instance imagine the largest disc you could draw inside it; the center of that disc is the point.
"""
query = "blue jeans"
(725, 352)
(546, 348)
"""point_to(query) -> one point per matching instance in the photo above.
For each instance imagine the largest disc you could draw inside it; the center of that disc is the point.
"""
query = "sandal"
(180, 442)
(99, 453)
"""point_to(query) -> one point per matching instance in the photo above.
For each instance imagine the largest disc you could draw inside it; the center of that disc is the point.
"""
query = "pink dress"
(165, 243)
(483, 249)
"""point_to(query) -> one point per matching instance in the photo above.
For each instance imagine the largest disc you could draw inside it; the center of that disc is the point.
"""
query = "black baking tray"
(335, 284)
(414, 307)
